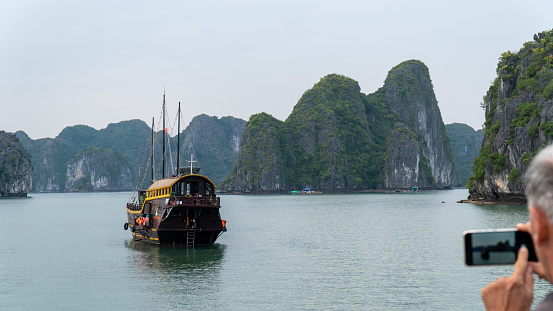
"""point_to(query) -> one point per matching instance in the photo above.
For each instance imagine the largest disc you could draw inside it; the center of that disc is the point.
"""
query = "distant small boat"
(307, 191)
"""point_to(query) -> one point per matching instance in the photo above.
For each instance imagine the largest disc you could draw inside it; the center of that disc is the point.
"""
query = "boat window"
(193, 188)
(201, 188)
(187, 188)
(179, 188)
(208, 189)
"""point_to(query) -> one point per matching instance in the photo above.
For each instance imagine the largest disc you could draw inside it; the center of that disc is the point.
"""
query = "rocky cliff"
(97, 169)
(339, 139)
(519, 121)
(82, 158)
(214, 143)
(54, 158)
(261, 165)
(404, 167)
(410, 95)
(15, 167)
(465, 145)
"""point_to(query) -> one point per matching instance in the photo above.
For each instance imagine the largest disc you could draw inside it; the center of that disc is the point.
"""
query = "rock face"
(15, 167)
(410, 94)
(214, 143)
(403, 169)
(116, 158)
(261, 165)
(97, 169)
(519, 121)
(55, 158)
(340, 139)
(465, 145)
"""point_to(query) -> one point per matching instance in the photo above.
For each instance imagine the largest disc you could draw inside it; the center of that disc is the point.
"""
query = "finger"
(521, 263)
(529, 279)
(524, 227)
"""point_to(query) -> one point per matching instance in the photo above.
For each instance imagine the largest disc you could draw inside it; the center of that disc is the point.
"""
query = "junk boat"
(182, 209)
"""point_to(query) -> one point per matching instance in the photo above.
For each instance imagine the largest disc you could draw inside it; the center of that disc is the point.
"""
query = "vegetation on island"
(339, 138)
(15, 166)
(121, 153)
(518, 122)
(465, 144)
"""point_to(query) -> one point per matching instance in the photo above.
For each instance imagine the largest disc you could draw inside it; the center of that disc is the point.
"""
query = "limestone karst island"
(335, 139)
(15, 167)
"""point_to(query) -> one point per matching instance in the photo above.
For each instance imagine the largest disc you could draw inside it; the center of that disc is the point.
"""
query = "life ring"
(126, 226)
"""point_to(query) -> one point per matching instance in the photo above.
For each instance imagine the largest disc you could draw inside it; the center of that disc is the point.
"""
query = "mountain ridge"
(81, 158)
(337, 138)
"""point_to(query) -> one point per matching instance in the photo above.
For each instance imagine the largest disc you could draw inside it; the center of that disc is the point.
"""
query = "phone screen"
(496, 247)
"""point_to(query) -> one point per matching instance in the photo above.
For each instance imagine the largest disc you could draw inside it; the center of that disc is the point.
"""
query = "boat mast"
(178, 140)
(163, 148)
(152, 164)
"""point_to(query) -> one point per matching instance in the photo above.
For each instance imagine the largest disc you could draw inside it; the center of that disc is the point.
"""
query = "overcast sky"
(65, 62)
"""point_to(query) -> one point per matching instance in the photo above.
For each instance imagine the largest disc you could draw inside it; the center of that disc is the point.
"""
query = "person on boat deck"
(517, 291)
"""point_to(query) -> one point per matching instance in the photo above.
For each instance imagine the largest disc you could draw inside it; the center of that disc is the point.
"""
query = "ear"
(541, 227)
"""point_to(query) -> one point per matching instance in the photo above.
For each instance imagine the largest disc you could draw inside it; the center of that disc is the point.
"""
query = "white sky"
(65, 62)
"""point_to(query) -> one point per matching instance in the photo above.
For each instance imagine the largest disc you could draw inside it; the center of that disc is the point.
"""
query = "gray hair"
(539, 182)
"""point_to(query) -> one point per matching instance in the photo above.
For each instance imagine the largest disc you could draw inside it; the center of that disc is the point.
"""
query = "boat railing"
(197, 201)
(133, 206)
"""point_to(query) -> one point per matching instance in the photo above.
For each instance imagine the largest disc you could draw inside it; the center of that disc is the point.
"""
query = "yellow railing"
(150, 195)
(158, 193)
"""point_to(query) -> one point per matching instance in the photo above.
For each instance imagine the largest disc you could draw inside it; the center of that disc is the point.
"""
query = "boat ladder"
(190, 237)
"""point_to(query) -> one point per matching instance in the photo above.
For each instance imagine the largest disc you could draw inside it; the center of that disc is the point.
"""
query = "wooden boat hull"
(168, 213)
(179, 237)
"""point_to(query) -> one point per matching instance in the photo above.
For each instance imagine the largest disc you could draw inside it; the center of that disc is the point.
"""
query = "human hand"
(515, 292)
(537, 268)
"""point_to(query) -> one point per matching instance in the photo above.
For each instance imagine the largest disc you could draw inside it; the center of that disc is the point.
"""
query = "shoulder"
(546, 304)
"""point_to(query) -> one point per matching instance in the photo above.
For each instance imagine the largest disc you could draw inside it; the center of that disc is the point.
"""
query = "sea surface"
(371, 251)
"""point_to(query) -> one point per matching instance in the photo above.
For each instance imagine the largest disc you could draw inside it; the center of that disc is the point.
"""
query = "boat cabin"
(181, 209)
(182, 186)
(193, 185)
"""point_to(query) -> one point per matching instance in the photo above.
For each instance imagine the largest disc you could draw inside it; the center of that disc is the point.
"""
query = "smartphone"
(496, 247)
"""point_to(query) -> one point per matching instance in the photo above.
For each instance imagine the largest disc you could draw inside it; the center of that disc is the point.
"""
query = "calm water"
(401, 251)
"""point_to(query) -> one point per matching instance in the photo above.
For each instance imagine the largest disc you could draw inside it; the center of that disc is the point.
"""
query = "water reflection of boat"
(176, 260)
